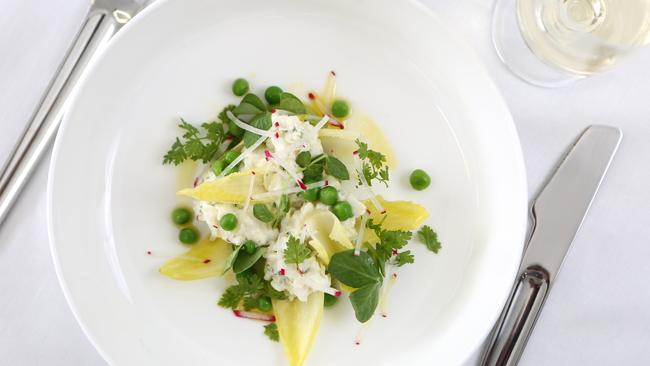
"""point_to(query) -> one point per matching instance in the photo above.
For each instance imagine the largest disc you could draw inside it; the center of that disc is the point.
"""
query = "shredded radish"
(251, 185)
(383, 300)
(242, 156)
(303, 233)
(246, 126)
(254, 315)
(362, 230)
(332, 291)
(321, 123)
(373, 199)
(362, 332)
(320, 105)
(280, 192)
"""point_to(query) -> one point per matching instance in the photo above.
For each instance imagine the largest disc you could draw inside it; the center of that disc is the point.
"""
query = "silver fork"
(103, 20)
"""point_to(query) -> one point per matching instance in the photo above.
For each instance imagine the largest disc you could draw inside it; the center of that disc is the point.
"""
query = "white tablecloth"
(598, 312)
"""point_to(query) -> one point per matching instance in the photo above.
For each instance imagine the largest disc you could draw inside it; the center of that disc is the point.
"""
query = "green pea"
(311, 194)
(188, 235)
(330, 300)
(264, 303)
(240, 87)
(328, 195)
(228, 222)
(249, 246)
(303, 159)
(419, 179)
(273, 94)
(181, 216)
(235, 130)
(230, 156)
(340, 108)
(342, 210)
(218, 166)
(235, 169)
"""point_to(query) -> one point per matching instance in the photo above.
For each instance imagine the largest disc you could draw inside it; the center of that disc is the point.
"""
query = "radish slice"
(254, 316)
(383, 301)
(242, 156)
(362, 230)
(246, 126)
(280, 192)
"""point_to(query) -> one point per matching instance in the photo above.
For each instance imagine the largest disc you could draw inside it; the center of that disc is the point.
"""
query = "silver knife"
(103, 20)
(558, 213)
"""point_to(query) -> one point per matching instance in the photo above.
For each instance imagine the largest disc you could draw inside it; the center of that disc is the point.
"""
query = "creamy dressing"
(276, 160)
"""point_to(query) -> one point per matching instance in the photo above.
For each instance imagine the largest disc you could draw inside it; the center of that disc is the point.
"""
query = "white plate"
(110, 196)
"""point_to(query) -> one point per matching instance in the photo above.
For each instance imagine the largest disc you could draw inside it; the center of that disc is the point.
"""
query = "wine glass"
(555, 42)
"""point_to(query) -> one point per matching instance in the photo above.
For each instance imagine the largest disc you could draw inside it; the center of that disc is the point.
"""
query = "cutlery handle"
(99, 26)
(518, 318)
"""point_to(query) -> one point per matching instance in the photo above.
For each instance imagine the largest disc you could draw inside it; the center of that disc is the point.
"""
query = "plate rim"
(460, 43)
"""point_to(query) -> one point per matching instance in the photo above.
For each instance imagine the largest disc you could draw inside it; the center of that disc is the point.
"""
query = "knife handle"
(100, 24)
(518, 318)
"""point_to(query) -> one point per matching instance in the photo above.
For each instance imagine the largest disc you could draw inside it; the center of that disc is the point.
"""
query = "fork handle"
(99, 26)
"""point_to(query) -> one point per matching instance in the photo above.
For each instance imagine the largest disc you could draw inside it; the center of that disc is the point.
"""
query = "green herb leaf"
(261, 121)
(223, 117)
(390, 242)
(404, 258)
(250, 104)
(313, 173)
(429, 238)
(364, 301)
(194, 144)
(271, 331)
(374, 165)
(245, 261)
(296, 252)
(262, 213)
(354, 271)
(336, 168)
(231, 297)
(231, 259)
(283, 208)
(291, 103)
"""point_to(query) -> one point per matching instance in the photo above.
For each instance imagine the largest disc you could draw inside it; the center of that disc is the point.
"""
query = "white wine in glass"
(568, 38)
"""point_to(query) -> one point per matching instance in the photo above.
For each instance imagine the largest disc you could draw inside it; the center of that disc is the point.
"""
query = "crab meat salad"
(282, 205)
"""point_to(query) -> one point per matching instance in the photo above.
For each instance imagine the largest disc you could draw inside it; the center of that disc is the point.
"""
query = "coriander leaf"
(261, 121)
(336, 168)
(250, 104)
(245, 261)
(231, 259)
(404, 258)
(390, 242)
(232, 297)
(176, 154)
(296, 252)
(291, 103)
(429, 238)
(354, 271)
(195, 146)
(373, 165)
(271, 331)
(250, 302)
(364, 301)
(223, 117)
(262, 213)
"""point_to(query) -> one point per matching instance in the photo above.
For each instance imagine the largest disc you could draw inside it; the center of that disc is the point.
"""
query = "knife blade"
(558, 213)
